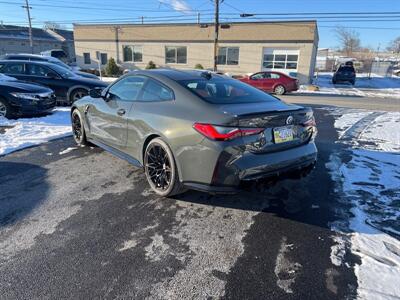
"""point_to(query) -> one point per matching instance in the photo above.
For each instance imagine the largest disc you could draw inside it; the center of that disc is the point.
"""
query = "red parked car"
(272, 82)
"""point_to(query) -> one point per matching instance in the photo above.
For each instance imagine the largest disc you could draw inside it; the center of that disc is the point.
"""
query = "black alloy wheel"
(78, 130)
(160, 169)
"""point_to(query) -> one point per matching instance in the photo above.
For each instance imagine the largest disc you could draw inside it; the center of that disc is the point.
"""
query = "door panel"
(257, 80)
(40, 74)
(153, 96)
(270, 80)
(107, 118)
(108, 121)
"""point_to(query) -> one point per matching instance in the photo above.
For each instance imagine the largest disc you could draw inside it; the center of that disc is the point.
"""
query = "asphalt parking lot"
(83, 224)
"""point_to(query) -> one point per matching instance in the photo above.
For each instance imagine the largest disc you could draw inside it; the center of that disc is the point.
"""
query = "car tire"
(352, 82)
(78, 130)
(77, 94)
(161, 170)
(5, 109)
(279, 90)
(334, 81)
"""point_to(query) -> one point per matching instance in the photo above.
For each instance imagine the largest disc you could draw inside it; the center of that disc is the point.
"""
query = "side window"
(127, 89)
(103, 58)
(36, 70)
(275, 76)
(154, 91)
(16, 69)
(258, 76)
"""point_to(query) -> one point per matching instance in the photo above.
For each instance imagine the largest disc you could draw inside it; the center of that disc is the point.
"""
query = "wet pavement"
(84, 224)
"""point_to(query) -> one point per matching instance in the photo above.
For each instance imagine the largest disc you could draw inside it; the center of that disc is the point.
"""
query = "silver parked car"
(196, 130)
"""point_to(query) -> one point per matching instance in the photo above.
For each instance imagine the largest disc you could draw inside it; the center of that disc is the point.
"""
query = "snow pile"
(377, 86)
(346, 121)
(22, 133)
(108, 79)
(371, 181)
(385, 132)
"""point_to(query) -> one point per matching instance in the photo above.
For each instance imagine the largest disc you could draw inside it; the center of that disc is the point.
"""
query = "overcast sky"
(374, 30)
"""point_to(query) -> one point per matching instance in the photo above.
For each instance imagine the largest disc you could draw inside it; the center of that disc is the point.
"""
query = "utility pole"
(216, 31)
(117, 29)
(28, 8)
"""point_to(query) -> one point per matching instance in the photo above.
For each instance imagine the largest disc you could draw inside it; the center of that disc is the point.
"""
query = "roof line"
(195, 24)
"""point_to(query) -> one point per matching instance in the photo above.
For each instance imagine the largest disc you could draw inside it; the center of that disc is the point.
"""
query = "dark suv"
(67, 86)
(345, 73)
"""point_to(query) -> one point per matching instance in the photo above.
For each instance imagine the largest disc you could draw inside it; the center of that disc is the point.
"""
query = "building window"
(280, 61)
(228, 56)
(175, 55)
(86, 58)
(132, 53)
(103, 58)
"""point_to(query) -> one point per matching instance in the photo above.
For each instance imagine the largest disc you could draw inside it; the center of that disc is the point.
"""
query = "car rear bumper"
(254, 166)
(230, 172)
(344, 78)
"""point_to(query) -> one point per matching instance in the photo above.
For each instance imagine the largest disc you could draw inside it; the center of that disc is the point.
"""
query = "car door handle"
(121, 112)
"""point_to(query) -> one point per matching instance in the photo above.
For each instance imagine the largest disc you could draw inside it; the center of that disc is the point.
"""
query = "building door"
(281, 60)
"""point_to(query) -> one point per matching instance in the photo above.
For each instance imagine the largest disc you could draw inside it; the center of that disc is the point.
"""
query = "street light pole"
(216, 31)
(28, 8)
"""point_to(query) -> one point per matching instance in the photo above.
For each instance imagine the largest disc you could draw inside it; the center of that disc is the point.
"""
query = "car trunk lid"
(285, 126)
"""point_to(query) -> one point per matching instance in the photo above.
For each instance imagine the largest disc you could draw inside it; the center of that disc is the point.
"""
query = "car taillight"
(222, 133)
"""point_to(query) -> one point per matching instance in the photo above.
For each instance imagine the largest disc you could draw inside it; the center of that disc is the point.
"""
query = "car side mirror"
(105, 95)
(96, 93)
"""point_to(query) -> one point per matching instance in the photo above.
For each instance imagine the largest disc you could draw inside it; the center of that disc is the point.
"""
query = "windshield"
(65, 73)
(60, 63)
(226, 91)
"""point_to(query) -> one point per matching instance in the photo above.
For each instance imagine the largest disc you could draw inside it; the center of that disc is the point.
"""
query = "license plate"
(283, 134)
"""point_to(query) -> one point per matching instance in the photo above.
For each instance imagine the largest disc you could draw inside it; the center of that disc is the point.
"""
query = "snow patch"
(370, 180)
(68, 150)
(157, 249)
(26, 132)
(129, 244)
(286, 270)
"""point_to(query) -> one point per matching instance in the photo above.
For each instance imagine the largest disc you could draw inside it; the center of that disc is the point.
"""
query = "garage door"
(285, 60)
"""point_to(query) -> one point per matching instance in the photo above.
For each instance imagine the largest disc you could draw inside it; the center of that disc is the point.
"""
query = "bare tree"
(394, 46)
(52, 25)
(349, 40)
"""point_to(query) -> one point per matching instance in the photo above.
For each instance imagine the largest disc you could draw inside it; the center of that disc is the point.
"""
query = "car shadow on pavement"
(16, 181)
(301, 199)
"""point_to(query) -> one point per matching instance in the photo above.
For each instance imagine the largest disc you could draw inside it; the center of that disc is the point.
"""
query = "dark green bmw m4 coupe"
(196, 130)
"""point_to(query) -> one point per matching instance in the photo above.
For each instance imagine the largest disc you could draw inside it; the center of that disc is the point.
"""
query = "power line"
(97, 8)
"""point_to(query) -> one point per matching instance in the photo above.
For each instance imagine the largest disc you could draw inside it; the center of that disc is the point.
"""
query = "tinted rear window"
(226, 91)
(346, 69)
